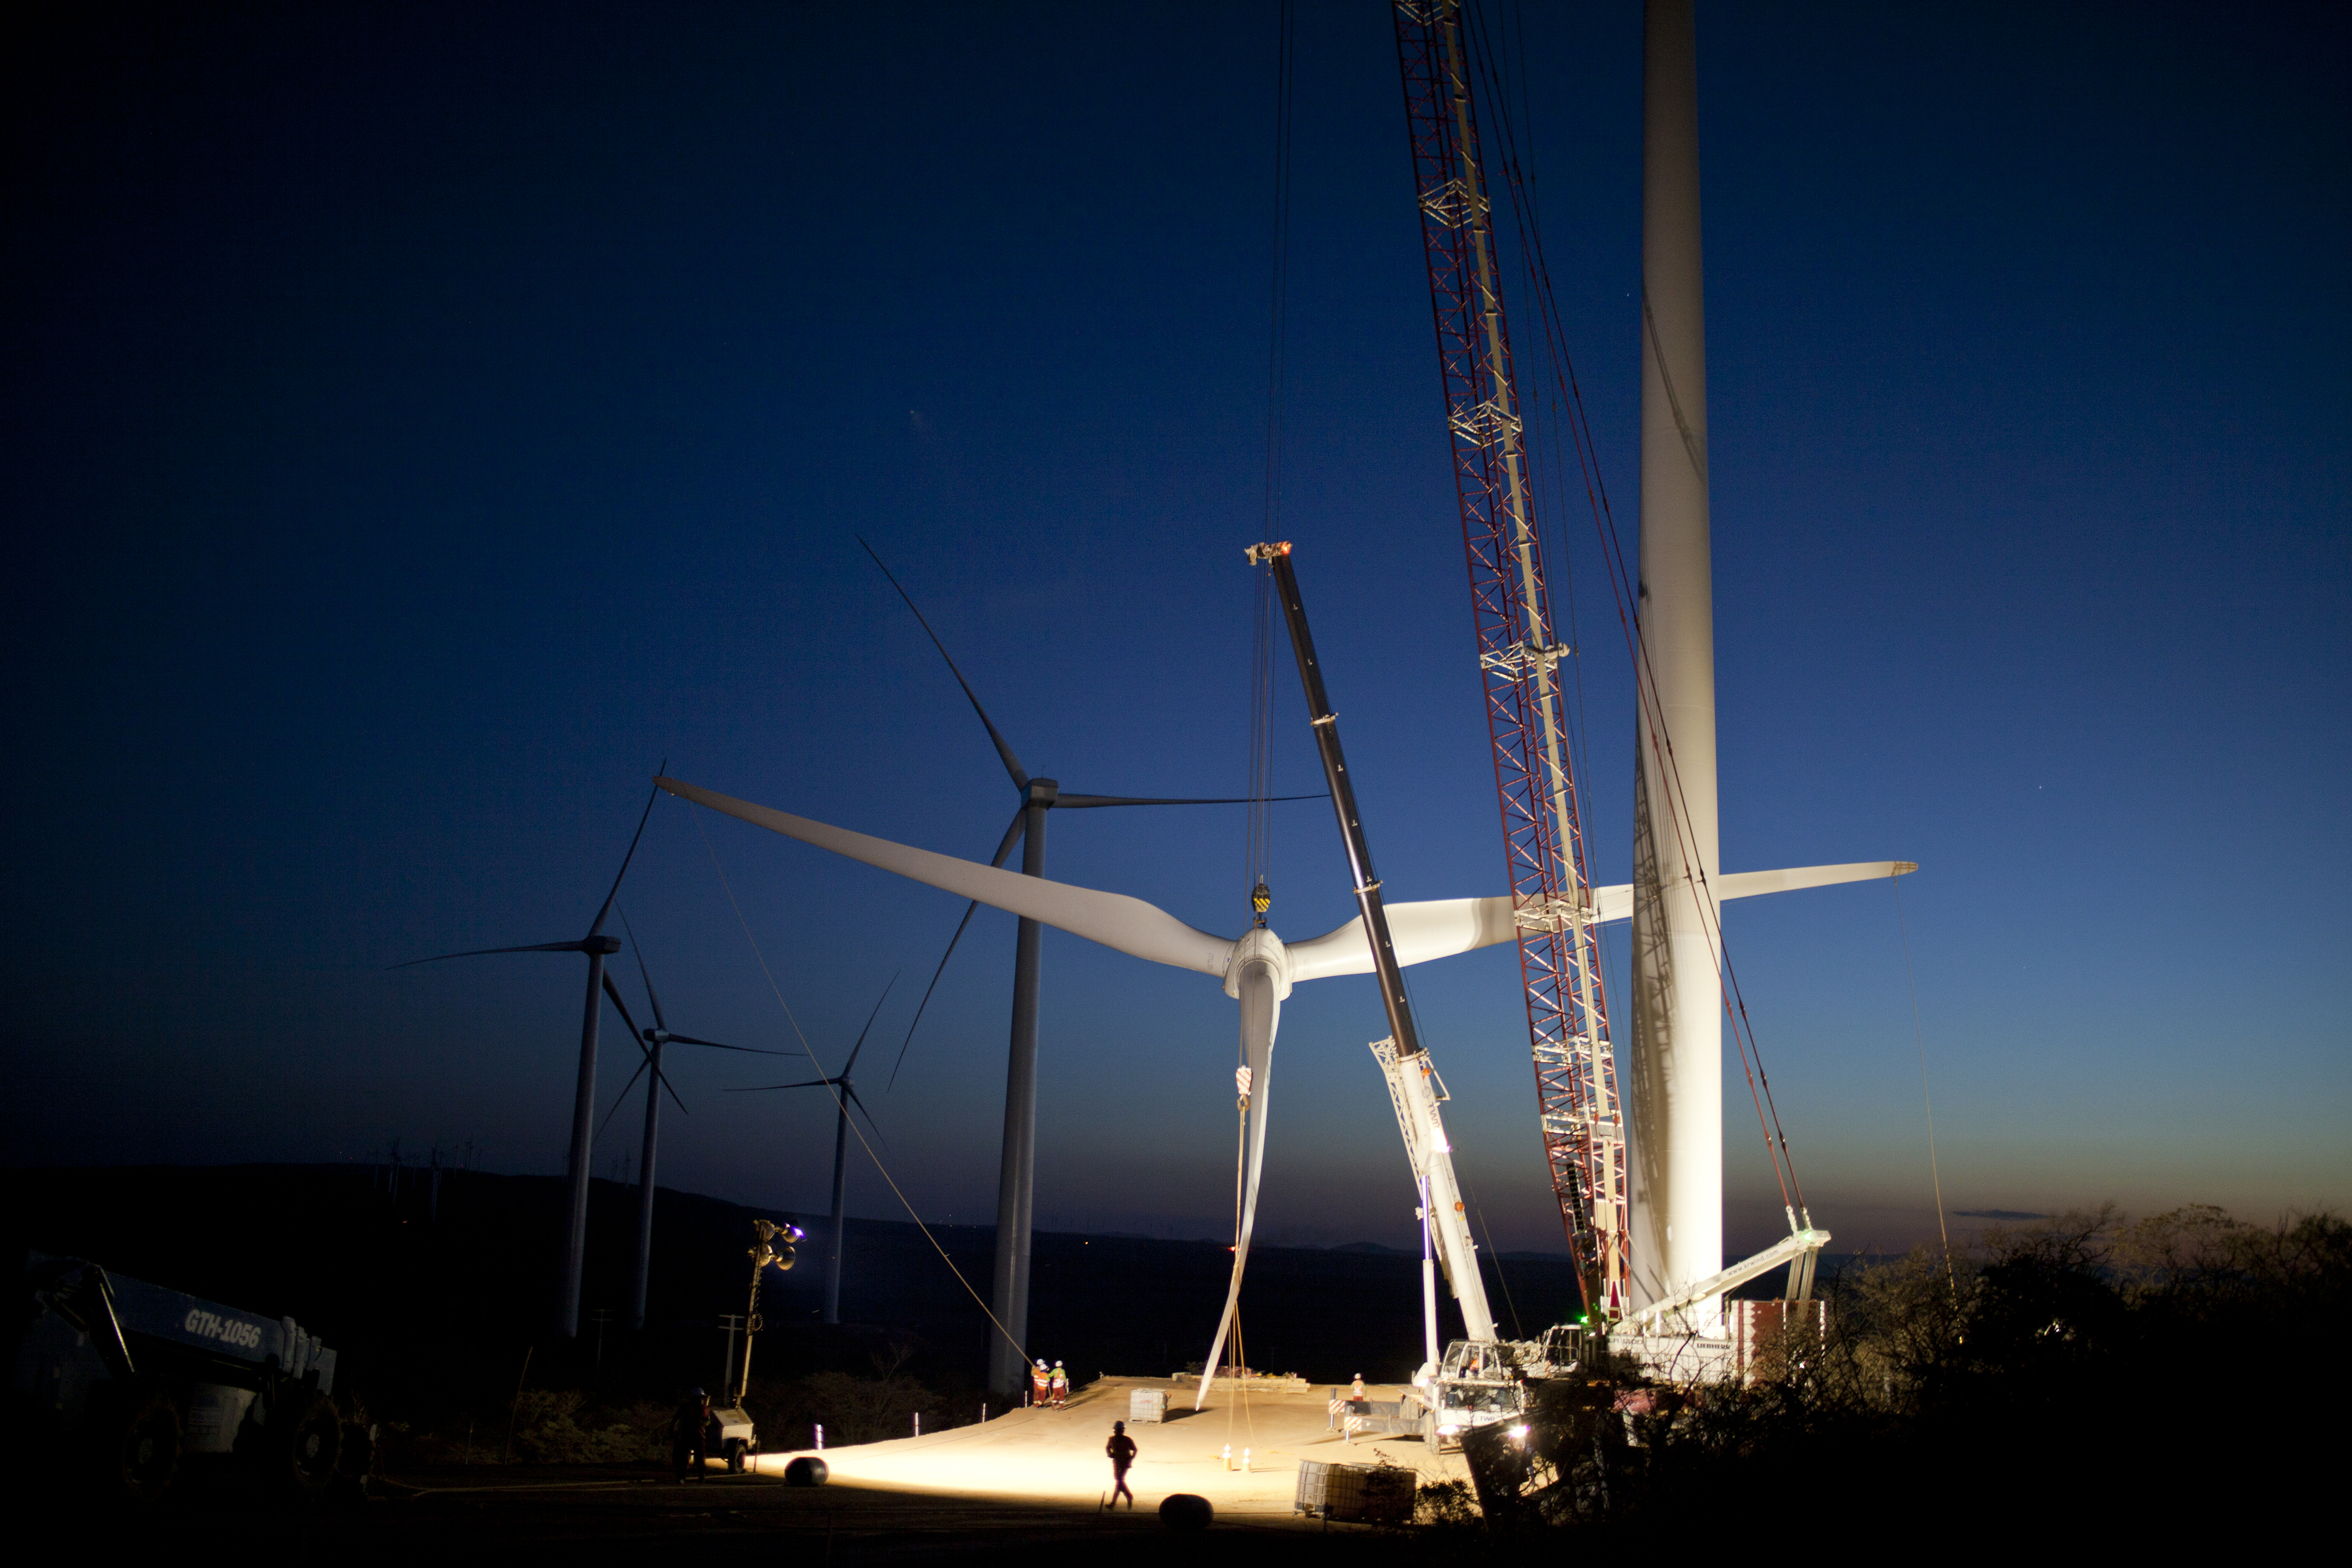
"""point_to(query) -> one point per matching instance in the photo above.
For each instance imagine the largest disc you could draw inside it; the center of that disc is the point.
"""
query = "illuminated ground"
(1023, 1488)
(1056, 1456)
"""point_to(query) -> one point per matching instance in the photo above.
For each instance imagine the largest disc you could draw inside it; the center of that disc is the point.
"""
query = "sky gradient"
(425, 420)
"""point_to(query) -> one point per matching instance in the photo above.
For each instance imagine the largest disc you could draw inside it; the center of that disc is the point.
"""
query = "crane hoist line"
(1519, 657)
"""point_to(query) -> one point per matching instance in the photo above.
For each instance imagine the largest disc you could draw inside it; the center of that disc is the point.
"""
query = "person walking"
(1061, 1386)
(1041, 1383)
(689, 1441)
(1121, 1449)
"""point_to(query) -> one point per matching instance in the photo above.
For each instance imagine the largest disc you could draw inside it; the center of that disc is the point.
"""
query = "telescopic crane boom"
(1412, 1078)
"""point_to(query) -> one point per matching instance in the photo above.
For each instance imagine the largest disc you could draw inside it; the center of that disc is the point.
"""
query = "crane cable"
(1538, 274)
(1257, 847)
(1920, 1033)
(1260, 776)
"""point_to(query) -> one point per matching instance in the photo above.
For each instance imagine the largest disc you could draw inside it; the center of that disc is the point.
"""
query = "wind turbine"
(654, 1040)
(598, 947)
(842, 1102)
(1017, 1175)
(1258, 969)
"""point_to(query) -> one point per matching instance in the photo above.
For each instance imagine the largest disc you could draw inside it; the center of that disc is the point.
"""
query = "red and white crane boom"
(1518, 658)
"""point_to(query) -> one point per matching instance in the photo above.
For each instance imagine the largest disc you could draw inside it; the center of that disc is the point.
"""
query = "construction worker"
(1357, 1392)
(1041, 1383)
(689, 1442)
(1121, 1449)
(1061, 1386)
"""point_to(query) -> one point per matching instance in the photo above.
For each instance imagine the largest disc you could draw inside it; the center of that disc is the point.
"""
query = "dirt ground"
(1025, 1486)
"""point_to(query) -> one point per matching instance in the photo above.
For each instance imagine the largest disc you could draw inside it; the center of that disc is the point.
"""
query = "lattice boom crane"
(1519, 656)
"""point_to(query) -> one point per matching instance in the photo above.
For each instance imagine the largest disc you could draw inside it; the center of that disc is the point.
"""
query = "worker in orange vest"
(1040, 1384)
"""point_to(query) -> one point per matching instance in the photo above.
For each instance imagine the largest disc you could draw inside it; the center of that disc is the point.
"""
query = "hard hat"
(1041, 1363)
(695, 1393)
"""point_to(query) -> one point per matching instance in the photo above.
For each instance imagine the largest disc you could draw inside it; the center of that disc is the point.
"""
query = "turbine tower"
(1676, 1092)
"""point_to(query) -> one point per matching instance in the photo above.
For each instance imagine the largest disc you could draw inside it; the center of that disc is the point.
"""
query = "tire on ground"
(1185, 1511)
(314, 1447)
(149, 1454)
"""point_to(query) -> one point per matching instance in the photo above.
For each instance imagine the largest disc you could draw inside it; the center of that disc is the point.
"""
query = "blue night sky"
(423, 420)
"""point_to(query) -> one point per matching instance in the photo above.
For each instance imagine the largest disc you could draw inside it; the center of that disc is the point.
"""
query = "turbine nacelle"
(1259, 945)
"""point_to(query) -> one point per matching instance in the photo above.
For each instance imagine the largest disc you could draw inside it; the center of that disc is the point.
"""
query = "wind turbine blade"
(714, 1045)
(1261, 1019)
(643, 974)
(1747, 884)
(1433, 928)
(631, 855)
(1440, 928)
(1083, 801)
(865, 1113)
(934, 985)
(1012, 834)
(483, 952)
(613, 992)
(764, 1088)
(1114, 920)
(1011, 763)
(622, 1098)
(851, 1065)
(674, 1099)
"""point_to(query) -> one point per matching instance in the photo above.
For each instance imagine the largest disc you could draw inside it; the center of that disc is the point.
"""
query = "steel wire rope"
(1613, 552)
(1517, 1328)
(1259, 849)
(1920, 1033)
(834, 1094)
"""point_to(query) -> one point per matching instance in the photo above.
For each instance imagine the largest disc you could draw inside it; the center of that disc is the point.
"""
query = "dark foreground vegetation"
(2092, 1379)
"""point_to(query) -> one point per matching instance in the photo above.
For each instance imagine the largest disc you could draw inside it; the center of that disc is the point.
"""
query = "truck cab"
(1478, 1385)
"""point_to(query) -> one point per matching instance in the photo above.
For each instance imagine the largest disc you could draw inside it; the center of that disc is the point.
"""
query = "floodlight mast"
(1518, 655)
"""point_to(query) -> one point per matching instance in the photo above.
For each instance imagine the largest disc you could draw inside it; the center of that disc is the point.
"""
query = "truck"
(124, 1381)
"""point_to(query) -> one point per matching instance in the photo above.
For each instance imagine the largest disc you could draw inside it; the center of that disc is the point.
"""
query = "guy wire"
(1919, 1035)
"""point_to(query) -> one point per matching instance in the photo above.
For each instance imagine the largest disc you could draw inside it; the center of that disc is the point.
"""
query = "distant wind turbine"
(842, 1102)
(654, 1039)
(598, 947)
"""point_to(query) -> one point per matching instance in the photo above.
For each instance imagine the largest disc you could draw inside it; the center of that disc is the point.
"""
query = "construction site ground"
(1026, 1486)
